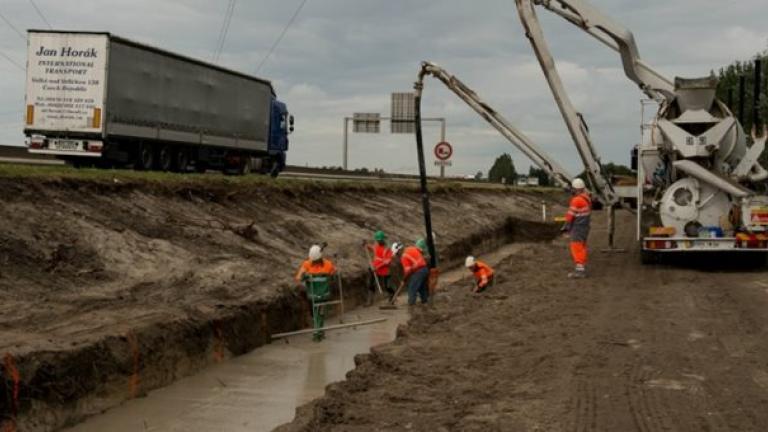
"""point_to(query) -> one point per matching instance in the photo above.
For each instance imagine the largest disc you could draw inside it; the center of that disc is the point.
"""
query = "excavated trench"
(58, 386)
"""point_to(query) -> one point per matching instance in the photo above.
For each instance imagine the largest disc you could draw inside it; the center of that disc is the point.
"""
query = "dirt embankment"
(633, 348)
(111, 288)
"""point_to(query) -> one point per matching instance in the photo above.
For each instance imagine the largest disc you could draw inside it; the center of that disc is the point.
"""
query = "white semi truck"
(98, 99)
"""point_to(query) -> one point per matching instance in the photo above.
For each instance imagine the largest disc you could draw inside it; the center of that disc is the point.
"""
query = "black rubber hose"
(423, 176)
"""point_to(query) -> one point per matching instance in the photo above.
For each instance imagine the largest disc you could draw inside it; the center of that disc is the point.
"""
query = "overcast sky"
(346, 56)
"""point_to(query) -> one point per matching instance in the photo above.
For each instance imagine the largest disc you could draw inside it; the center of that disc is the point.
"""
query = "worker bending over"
(316, 274)
(416, 272)
(379, 272)
(482, 272)
(577, 222)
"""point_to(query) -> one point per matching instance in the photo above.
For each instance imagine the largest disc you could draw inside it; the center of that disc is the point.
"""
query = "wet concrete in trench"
(261, 390)
(257, 391)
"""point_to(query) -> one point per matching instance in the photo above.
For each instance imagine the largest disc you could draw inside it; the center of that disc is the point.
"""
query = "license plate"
(68, 145)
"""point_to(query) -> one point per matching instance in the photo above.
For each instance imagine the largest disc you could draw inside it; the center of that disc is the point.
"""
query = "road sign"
(403, 113)
(443, 163)
(366, 122)
(443, 151)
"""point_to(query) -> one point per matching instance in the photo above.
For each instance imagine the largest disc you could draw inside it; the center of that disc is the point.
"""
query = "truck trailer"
(96, 99)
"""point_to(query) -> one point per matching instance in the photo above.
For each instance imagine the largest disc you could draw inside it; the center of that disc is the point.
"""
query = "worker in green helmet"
(378, 271)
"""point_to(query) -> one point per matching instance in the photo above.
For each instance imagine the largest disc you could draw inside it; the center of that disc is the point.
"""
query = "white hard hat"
(470, 262)
(396, 247)
(578, 183)
(315, 253)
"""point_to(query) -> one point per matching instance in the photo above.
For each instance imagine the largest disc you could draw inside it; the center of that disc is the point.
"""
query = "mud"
(110, 289)
(632, 348)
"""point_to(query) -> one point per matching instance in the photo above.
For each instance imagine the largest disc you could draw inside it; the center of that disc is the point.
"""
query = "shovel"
(373, 270)
(391, 304)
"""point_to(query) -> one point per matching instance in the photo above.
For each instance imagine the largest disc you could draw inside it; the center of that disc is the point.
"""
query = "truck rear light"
(662, 231)
(660, 244)
(30, 114)
(95, 146)
(36, 142)
(751, 241)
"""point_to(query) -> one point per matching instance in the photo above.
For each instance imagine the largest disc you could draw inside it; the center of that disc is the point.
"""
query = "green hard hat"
(379, 236)
(421, 244)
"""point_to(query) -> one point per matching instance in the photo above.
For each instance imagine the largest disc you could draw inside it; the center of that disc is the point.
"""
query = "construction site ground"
(672, 347)
(114, 283)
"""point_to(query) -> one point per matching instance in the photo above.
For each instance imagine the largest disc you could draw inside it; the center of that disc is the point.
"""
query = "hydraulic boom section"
(511, 133)
(573, 120)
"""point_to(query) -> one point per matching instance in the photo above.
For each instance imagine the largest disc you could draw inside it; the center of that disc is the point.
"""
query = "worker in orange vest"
(316, 275)
(577, 222)
(379, 272)
(416, 272)
(482, 272)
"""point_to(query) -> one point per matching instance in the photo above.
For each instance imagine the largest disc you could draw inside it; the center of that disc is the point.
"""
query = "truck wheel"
(246, 166)
(165, 158)
(181, 161)
(145, 159)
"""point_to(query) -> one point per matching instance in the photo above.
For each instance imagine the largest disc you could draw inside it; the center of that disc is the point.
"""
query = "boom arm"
(615, 36)
(573, 119)
(517, 138)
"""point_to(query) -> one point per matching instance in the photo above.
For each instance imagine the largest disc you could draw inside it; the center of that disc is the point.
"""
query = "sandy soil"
(678, 347)
(110, 289)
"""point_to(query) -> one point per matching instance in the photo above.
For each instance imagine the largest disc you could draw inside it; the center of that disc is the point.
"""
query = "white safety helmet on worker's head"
(315, 253)
(578, 183)
(396, 247)
(470, 262)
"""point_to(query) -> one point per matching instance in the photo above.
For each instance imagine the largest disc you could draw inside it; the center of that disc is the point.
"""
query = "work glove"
(565, 228)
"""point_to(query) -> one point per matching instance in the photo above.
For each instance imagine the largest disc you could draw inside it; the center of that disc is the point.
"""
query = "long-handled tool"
(391, 304)
(373, 270)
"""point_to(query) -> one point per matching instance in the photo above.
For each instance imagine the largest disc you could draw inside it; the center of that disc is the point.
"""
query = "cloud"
(343, 57)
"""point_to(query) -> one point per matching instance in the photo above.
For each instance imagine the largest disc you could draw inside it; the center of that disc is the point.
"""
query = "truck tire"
(145, 158)
(181, 160)
(165, 158)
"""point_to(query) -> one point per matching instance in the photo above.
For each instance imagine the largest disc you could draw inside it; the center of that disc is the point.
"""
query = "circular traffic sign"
(443, 151)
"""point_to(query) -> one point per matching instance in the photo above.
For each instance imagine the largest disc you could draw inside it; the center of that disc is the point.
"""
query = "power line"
(12, 61)
(21, 35)
(279, 38)
(40, 13)
(224, 30)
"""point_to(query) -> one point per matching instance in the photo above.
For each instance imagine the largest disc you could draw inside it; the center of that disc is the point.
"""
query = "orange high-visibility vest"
(382, 257)
(482, 273)
(580, 206)
(323, 266)
(412, 260)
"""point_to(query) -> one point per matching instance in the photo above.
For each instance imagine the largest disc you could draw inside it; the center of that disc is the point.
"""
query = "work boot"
(578, 273)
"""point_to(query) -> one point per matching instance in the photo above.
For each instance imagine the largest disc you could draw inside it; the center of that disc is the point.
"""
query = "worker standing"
(316, 274)
(379, 271)
(416, 272)
(577, 222)
(482, 272)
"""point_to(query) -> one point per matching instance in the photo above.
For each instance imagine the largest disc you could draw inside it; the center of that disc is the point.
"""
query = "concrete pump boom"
(511, 133)
(573, 120)
(585, 16)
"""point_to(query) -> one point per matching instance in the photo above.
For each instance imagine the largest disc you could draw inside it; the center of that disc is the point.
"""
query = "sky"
(346, 56)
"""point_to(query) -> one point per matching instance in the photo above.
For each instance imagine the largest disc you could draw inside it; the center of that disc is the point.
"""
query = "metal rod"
(346, 143)
(742, 97)
(756, 98)
(442, 139)
(327, 328)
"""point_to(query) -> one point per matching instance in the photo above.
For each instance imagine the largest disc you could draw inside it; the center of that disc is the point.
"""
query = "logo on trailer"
(443, 151)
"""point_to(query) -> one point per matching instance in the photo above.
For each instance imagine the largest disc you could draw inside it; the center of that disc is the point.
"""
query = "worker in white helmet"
(316, 275)
(482, 272)
(577, 223)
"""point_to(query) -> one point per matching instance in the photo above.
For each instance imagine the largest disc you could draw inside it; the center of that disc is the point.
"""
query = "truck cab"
(281, 125)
